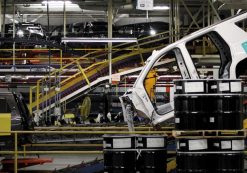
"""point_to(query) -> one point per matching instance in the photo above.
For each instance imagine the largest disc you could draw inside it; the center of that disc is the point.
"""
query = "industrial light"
(97, 40)
(152, 32)
(57, 3)
(20, 33)
(161, 7)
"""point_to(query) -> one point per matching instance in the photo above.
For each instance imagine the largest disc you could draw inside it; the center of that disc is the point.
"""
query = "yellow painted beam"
(83, 73)
(5, 123)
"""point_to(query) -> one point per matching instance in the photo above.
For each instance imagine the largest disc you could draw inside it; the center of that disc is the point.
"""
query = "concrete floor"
(62, 161)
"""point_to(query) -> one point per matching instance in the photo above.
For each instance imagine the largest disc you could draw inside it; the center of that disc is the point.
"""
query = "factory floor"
(60, 162)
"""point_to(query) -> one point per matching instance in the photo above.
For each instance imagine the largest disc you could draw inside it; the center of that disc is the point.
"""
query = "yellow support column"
(37, 95)
(31, 100)
(61, 58)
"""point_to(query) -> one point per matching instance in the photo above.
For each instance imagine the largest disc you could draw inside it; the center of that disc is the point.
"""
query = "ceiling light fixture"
(97, 40)
(161, 7)
(60, 4)
(152, 32)
(56, 2)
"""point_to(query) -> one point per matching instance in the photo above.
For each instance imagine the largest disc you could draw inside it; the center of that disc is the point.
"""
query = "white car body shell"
(233, 36)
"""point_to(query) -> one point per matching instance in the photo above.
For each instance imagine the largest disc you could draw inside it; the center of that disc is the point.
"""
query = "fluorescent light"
(58, 5)
(161, 7)
(56, 2)
(97, 40)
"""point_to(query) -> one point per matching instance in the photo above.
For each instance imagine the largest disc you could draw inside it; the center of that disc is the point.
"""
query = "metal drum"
(119, 154)
(151, 153)
(119, 142)
(229, 162)
(190, 86)
(152, 161)
(207, 86)
(119, 161)
(226, 144)
(151, 142)
(191, 162)
(224, 86)
(210, 162)
(192, 145)
(197, 106)
(210, 155)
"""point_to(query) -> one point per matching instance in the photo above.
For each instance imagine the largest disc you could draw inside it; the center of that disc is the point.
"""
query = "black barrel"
(119, 142)
(151, 153)
(229, 162)
(208, 103)
(190, 86)
(191, 162)
(119, 154)
(210, 144)
(210, 154)
(207, 86)
(192, 145)
(224, 86)
(151, 141)
(212, 121)
(208, 162)
(214, 105)
(123, 161)
(226, 144)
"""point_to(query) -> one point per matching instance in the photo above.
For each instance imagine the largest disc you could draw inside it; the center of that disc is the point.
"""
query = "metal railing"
(16, 152)
(86, 73)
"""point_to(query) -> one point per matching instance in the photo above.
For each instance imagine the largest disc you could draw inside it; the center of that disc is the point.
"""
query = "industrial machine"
(230, 41)
(14, 115)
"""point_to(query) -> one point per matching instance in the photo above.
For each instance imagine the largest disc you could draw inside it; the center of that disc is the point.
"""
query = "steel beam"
(110, 18)
(214, 10)
(190, 14)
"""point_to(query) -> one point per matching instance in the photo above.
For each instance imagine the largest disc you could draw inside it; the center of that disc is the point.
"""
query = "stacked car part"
(138, 153)
(208, 118)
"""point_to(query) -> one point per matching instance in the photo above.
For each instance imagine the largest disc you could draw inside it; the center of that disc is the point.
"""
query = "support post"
(16, 154)
(1, 18)
(190, 14)
(4, 13)
(64, 19)
(215, 11)
(110, 18)
(31, 100)
(14, 33)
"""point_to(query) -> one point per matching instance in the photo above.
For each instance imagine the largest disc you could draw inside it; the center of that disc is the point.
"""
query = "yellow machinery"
(5, 123)
(150, 82)
(245, 124)
(85, 108)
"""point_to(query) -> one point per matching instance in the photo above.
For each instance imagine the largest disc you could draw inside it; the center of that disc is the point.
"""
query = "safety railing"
(86, 73)
(32, 57)
(22, 150)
